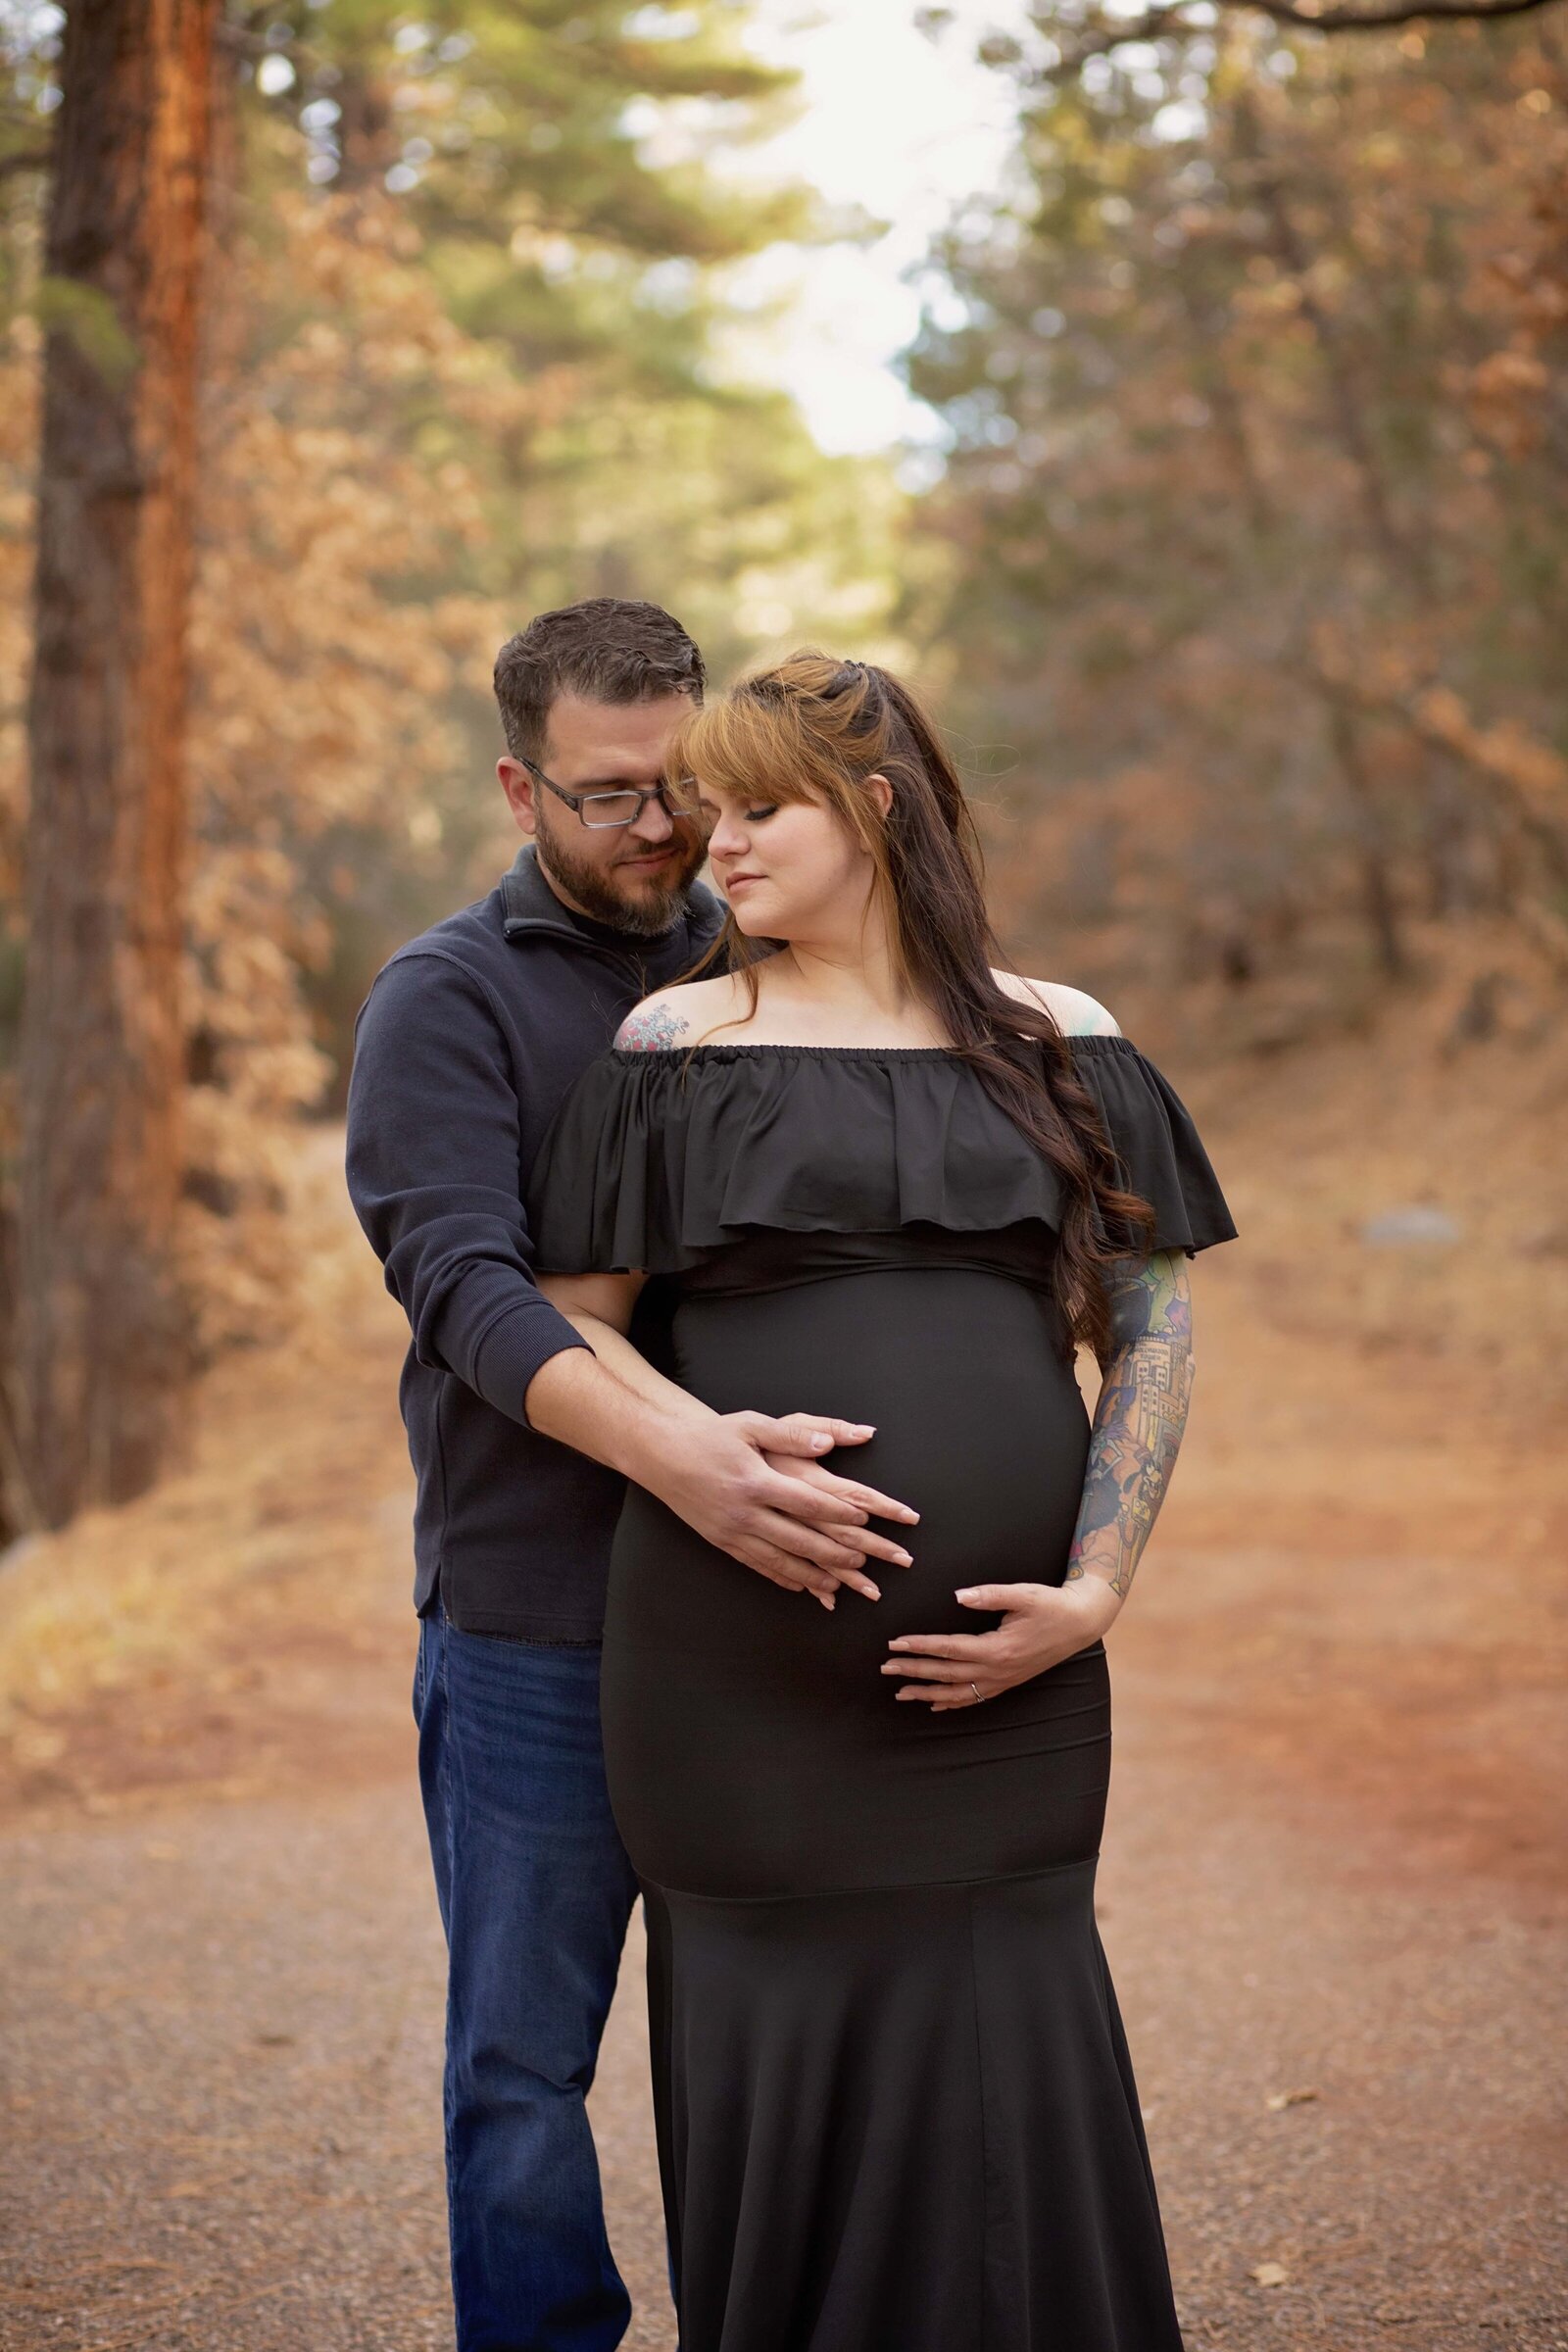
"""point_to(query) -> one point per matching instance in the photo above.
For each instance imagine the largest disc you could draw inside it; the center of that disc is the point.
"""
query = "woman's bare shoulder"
(680, 1016)
(1075, 1012)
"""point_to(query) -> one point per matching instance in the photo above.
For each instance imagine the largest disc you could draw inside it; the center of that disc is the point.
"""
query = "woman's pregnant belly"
(980, 1428)
(753, 1744)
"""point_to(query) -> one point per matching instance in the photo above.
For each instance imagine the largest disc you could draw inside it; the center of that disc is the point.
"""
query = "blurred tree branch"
(1100, 35)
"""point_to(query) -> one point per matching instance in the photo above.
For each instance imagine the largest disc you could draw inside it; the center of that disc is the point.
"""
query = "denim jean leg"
(536, 1892)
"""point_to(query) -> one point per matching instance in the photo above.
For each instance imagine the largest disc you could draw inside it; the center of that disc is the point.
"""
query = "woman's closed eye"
(757, 816)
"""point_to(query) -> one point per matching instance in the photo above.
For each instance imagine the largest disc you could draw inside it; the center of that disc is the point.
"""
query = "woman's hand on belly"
(1040, 1625)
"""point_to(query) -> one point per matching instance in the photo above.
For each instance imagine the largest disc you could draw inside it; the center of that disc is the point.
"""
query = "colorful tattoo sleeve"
(1138, 1419)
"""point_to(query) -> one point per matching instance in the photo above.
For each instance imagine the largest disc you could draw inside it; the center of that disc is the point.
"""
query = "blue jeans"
(535, 1892)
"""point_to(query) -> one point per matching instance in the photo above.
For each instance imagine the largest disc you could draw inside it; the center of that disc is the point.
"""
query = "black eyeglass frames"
(616, 808)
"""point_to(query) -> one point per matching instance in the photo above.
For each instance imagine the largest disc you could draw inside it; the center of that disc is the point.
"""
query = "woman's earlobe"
(881, 790)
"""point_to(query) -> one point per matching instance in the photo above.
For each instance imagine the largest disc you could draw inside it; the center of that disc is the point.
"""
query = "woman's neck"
(810, 992)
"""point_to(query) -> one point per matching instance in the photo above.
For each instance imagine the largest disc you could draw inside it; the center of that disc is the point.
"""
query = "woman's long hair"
(811, 728)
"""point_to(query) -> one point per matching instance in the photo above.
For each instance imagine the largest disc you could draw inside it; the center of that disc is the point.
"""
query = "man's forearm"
(611, 1404)
(1139, 1421)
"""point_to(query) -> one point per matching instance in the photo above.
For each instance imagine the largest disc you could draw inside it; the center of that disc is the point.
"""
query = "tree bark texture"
(102, 1350)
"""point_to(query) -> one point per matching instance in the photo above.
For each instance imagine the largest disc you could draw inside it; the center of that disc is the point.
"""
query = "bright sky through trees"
(904, 127)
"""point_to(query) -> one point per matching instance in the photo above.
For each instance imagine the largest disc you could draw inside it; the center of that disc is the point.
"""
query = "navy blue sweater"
(466, 1043)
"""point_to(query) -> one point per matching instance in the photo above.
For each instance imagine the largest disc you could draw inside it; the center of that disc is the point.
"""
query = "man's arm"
(433, 1155)
(736, 1478)
(1139, 1418)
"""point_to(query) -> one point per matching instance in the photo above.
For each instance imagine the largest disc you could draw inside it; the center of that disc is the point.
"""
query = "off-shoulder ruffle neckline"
(656, 1156)
(737, 1048)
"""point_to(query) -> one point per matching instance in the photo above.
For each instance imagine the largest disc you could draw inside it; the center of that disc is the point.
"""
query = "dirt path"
(224, 2019)
(1333, 1868)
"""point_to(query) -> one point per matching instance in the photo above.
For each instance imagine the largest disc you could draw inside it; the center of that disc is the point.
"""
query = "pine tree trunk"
(103, 1352)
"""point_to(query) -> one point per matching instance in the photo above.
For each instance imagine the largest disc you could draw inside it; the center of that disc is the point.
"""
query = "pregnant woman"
(895, 2105)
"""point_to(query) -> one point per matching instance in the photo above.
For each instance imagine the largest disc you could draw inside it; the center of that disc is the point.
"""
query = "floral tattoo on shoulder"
(651, 1029)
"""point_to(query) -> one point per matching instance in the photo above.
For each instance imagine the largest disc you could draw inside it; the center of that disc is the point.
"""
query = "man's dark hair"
(607, 648)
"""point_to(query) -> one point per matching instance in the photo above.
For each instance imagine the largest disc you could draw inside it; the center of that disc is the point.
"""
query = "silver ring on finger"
(975, 1688)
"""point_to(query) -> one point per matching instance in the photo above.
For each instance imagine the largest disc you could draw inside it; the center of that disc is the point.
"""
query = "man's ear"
(517, 785)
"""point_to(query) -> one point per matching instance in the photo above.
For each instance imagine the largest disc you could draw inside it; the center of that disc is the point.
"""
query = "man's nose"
(654, 823)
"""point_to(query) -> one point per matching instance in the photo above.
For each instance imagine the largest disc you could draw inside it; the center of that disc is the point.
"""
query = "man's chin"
(651, 904)
(643, 903)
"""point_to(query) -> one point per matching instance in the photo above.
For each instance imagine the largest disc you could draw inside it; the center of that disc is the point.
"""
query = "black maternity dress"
(895, 2106)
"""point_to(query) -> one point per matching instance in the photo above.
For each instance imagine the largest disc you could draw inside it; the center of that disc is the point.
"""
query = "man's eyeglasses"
(619, 807)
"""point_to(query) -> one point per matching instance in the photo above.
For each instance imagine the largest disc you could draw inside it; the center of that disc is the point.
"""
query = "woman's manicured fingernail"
(821, 1440)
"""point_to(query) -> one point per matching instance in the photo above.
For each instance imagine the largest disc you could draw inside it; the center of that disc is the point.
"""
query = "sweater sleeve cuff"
(513, 1350)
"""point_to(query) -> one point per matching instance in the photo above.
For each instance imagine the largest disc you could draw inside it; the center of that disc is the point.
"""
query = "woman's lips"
(736, 881)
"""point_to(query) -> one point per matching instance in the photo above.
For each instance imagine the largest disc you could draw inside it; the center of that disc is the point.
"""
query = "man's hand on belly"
(749, 1484)
(1040, 1625)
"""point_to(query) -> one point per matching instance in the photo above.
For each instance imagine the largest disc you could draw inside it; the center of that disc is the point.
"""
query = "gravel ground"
(224, 2024)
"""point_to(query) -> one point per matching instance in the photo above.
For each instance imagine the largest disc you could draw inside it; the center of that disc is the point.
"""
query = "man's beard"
(657, 908)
